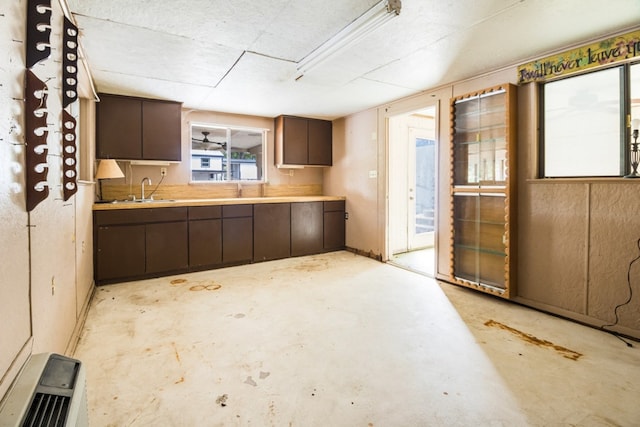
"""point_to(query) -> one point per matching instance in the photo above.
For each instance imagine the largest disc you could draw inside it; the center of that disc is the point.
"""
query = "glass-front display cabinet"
(483, 133)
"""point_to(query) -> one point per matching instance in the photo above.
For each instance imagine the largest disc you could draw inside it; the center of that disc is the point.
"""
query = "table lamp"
(107, 169)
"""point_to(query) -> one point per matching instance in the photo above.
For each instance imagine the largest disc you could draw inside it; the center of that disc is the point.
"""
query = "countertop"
(210, 202)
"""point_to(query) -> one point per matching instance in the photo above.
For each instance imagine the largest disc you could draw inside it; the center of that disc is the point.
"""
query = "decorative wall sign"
(609, 51)
(36, 140)
(38, 31)
(69, 172)
(69, 63)
(69, 95)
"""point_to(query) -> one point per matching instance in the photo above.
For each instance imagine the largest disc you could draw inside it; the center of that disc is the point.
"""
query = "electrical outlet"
(163, 171)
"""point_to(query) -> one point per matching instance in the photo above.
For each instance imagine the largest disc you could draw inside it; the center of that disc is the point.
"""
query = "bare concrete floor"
(343, 340)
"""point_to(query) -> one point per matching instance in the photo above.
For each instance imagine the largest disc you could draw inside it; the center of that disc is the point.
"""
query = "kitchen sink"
(141, 201)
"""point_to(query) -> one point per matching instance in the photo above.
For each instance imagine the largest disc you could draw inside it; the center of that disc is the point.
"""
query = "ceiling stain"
(563, 351)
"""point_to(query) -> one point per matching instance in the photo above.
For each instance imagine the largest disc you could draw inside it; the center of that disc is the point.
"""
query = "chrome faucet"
(142, 186)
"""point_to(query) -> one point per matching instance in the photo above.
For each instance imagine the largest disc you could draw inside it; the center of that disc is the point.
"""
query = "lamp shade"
(109, 169)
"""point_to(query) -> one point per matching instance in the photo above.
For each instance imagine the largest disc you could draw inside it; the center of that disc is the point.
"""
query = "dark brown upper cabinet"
(303, 142)
(131, 128)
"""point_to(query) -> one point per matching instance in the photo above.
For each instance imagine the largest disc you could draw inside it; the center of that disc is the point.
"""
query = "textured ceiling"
(240, 56)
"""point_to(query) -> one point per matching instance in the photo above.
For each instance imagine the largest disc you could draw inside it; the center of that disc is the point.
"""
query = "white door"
(412, 176)
(421, 186)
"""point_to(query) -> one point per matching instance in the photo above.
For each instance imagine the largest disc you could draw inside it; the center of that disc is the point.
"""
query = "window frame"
(624, 120)
(261, 160)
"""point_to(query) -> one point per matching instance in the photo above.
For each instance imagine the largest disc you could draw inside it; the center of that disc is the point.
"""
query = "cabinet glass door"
(482, 130)
(479, 140)
(479, 238)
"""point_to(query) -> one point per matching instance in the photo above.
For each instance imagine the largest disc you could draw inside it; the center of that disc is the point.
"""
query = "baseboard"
(369, 254)
(80, 321)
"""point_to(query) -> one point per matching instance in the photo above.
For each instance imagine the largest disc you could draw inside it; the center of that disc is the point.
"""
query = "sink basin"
(146, 201)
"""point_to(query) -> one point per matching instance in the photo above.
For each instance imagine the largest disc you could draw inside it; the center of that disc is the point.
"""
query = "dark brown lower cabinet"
(167, 247)
(306, 228)
(131, 244)
(334, 225)
(120, 252)
(136, 243)
(271, 231)
(205, 237)
(237, 234)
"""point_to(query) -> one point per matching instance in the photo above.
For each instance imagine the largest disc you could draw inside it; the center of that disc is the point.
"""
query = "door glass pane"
(425, 185)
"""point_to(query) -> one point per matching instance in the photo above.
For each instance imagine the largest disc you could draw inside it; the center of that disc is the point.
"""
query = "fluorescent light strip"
(368, 22)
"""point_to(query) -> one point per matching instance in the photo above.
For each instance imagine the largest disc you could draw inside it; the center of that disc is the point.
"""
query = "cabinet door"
(334, 225)
(320, 142)
(120, 252)
(166, 247)
(306, 228)
(205, 243)
(237, 240)
(205, 236)
(271, 231)
(479, 239)
(161, 135)
(295, 141)
(119, 128)
(483, 202)
(237, 234)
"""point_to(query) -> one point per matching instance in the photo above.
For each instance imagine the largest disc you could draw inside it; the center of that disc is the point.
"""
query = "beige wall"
(46, 273)
(15, 334)
(355, 155)
(576, 237)
(177, 182)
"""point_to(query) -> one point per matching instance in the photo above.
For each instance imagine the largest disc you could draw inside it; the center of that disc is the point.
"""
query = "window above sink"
(222, 153)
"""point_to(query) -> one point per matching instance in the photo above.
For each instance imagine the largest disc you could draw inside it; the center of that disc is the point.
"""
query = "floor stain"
(175, 350)
(264, 375)
(181, 380)
(563, 351)
(250, 381)
(239, 315)
(210, 287)
(178, 281)
(272, 409)
(312, 265)
(222, 400)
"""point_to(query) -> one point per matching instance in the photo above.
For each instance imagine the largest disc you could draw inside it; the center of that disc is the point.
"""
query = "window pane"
(582, 119)
(635, 94)
(226, 154)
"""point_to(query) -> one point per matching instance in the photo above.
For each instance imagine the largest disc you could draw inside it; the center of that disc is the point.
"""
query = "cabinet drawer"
(205, 212)
(333, 206)
(237, 211)
(138, 216)
(167, 214)
(128, 216)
